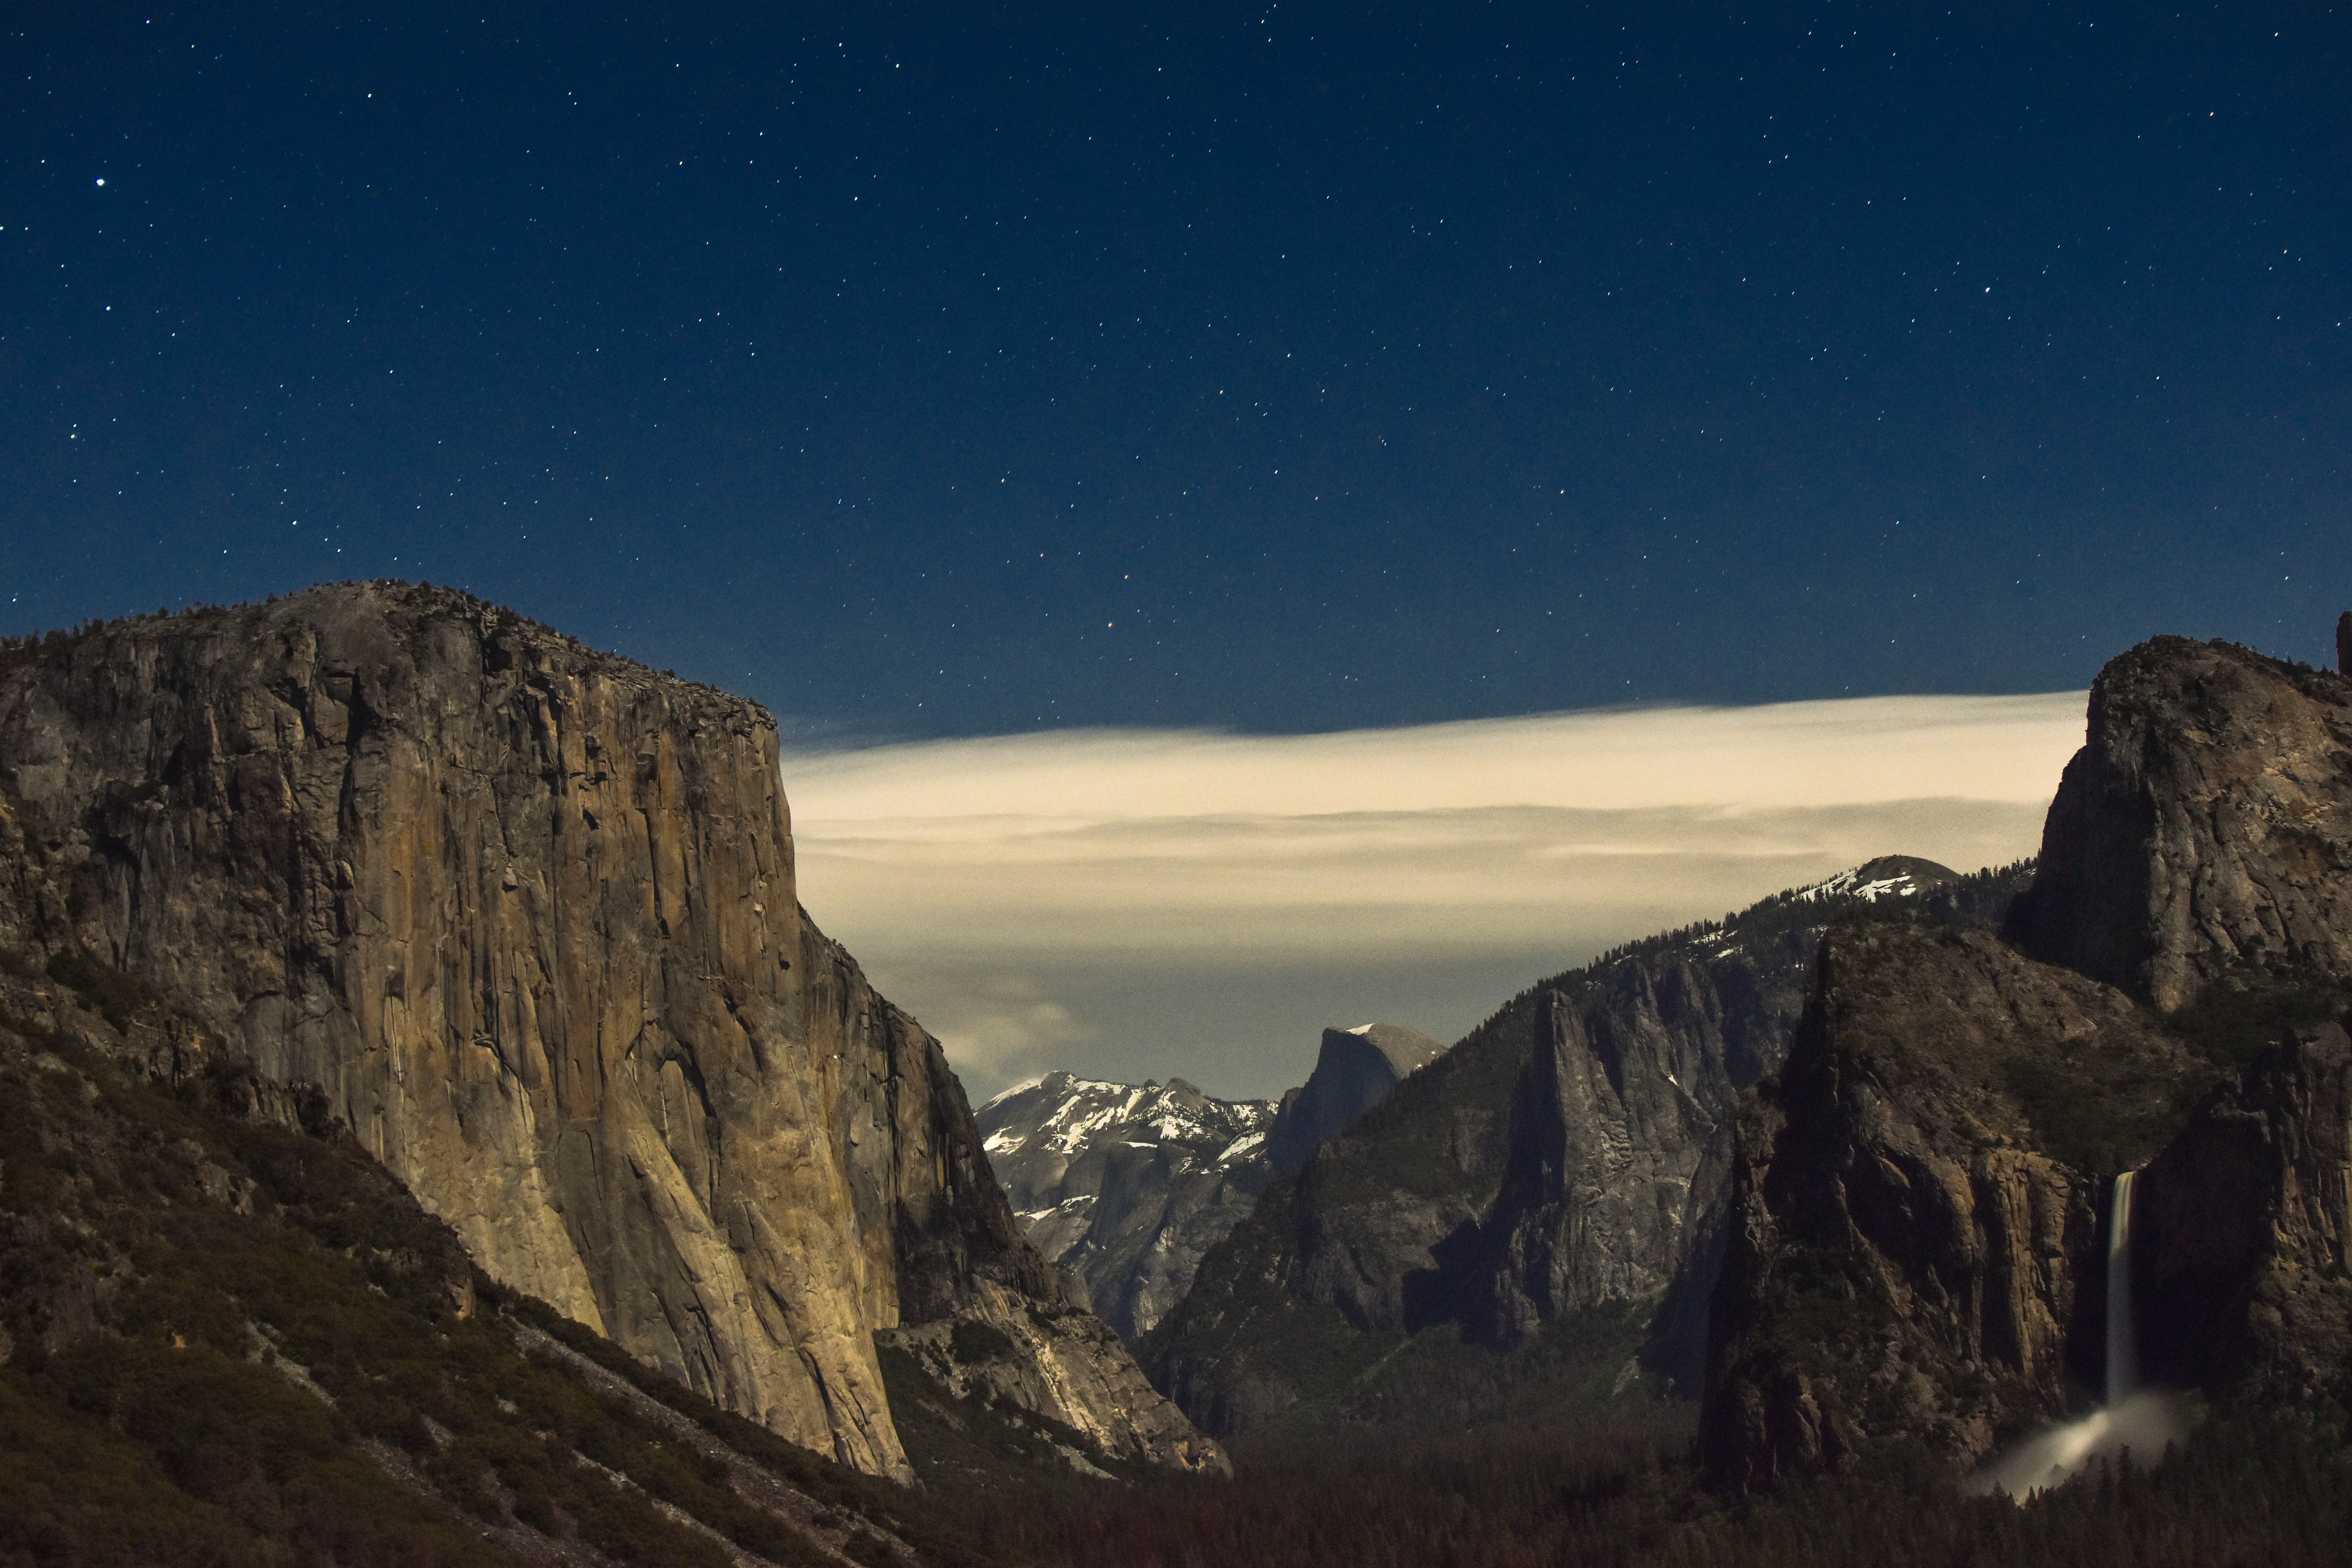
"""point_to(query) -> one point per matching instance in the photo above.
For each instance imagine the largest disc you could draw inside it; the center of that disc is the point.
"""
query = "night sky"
(940, 372)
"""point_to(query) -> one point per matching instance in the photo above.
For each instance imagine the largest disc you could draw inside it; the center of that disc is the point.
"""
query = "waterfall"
(2131, 1422)
(2123, 1358)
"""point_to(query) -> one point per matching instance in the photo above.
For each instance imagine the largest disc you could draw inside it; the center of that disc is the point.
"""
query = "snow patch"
(1843, 885)
(1239, 1147)
(1024, 1087)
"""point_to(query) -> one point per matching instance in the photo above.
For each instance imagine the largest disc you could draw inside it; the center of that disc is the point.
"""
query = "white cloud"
(988, 883)
(994, 1024)
(1791, 753)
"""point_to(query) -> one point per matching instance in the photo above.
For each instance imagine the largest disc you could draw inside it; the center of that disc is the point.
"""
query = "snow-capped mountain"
(1124, 1186)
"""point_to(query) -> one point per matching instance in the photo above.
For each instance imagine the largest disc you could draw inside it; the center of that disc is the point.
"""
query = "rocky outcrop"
(1066, 1365)
(1354, 1070)
(945, 1253)
(522, 916)
(2200, 853)
(2243, 1234)
(1124, 1187)
(934, 1227)
(1917, 1202)
(1569, 1157)
(1616, 1161)
(2204, 829)
(1919, 1199)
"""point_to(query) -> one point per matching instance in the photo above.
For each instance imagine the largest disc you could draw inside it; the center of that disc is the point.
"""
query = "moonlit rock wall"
(2205, 827)
(525, 913)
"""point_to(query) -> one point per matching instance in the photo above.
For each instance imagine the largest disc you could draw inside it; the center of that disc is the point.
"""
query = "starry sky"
(937, 371)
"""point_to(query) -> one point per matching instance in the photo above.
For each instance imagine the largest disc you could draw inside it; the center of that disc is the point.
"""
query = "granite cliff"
(226, 1341)
(522, 916)
(1920, 1199)
(1914, 1225)
(2203, 829)
(1532, 1218)
(1354, 1070)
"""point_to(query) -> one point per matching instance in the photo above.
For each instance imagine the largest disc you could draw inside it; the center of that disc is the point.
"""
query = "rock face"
(1354, 1071)
(1915, 1237)
(1066, 1365)
(2243, 1234)
(934, 1227)
(1124, 1187)
(151, 1225)
(1919, 1199)
(1616, 1165)
(522, 916)
(1570, 1156)
(2204, 829)
(2200, 854)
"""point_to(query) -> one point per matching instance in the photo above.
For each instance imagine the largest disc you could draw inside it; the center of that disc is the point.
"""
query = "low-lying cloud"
(1143, 903)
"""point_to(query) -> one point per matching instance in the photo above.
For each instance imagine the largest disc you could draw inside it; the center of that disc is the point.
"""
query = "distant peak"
(1406, 1048)
(1024, 1087)
(1889, 876)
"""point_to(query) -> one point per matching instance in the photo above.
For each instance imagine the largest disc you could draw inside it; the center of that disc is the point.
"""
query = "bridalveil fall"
(2123, 1352)
(2130, 1423)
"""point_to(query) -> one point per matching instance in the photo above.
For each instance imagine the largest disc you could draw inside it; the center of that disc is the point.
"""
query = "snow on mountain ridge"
(1124, 1186)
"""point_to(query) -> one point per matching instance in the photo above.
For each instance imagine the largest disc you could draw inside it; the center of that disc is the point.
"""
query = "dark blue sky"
(939, 371)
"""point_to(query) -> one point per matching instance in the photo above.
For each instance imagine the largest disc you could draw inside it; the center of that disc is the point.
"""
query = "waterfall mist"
(2131, 1422)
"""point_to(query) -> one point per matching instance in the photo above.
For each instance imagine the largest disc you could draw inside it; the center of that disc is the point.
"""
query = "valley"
(432, 1130)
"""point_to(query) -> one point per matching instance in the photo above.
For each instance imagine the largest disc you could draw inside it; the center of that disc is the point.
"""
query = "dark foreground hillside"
(226, 1341)
(2239, 1494)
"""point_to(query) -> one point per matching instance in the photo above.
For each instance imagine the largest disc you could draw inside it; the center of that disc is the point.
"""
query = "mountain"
(1126, 1188)
(1123, 1187)
(1354, 1070)
(2203, 829)
(520, 917)
(1531, 1221)
(1917, 1220)
(1921, 1201)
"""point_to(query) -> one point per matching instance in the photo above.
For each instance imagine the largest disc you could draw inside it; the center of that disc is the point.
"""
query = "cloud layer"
(1056, 899)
